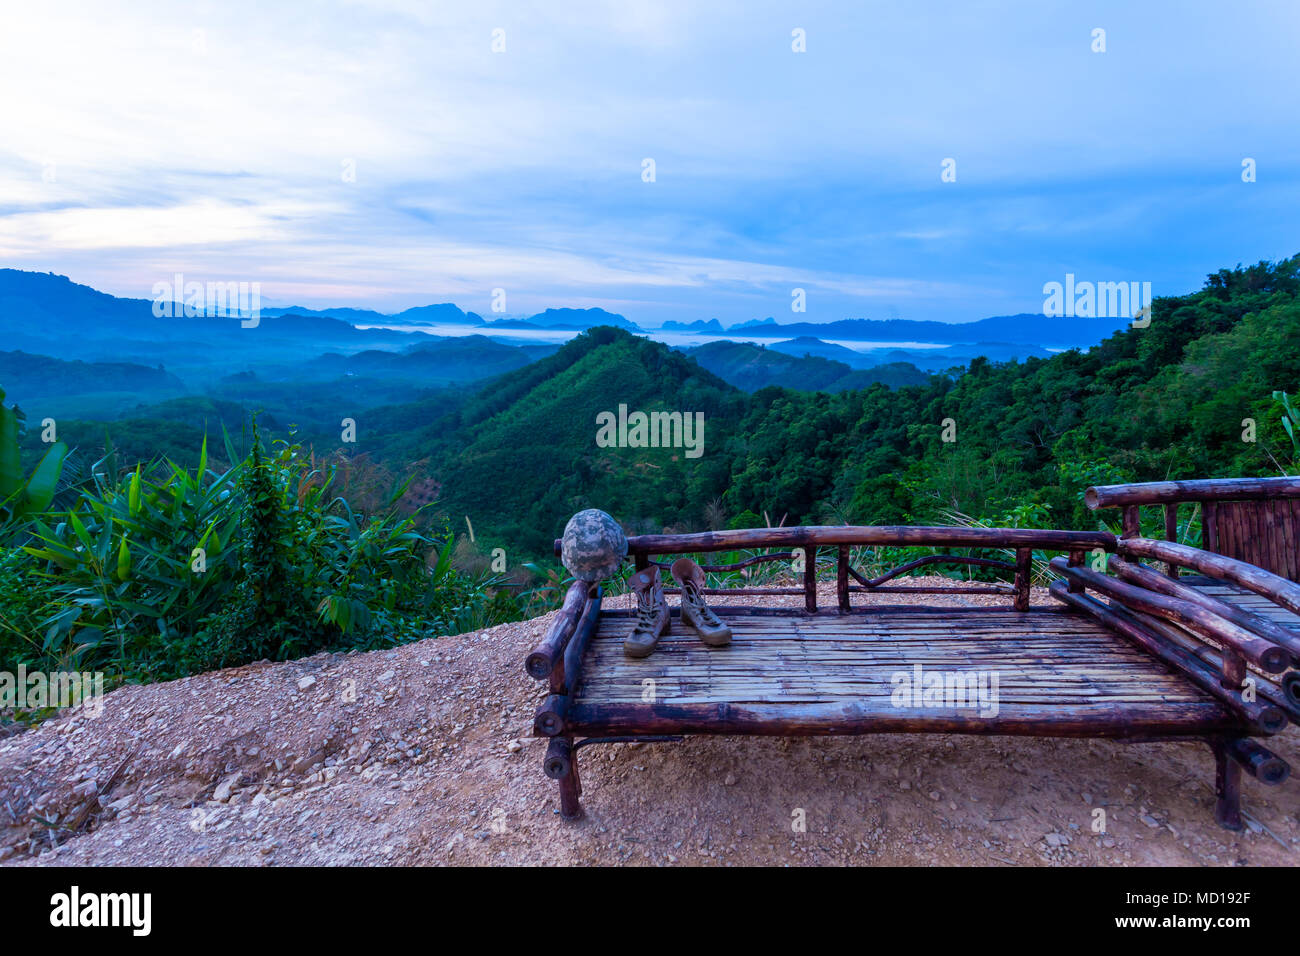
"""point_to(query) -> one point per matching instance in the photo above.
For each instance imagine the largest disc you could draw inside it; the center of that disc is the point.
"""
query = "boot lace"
(645, 609)
(692, 592)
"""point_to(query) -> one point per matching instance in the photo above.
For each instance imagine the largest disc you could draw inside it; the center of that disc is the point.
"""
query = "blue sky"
(212, 139)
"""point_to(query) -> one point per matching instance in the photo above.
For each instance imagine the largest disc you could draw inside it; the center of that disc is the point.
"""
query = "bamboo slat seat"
(835, 673)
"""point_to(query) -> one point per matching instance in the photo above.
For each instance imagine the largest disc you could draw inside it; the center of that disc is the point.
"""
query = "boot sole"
(636, 652)
(709, 641)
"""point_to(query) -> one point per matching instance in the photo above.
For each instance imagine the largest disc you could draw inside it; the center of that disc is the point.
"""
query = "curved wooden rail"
(1264, 583)
(546, 654)
(1209, 489)
(1263, 654)
(737, 565)
(1152, 580)
(902, 536)
(1265, 717)
(876, 582)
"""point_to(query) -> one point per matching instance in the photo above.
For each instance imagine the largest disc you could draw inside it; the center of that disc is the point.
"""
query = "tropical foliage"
(164, 570)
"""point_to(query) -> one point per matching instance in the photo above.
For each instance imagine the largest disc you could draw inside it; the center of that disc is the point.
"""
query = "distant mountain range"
(74, 348)
(929, 359)
(445, 313)
(574, 320)
(1025, 328)
(35, 306)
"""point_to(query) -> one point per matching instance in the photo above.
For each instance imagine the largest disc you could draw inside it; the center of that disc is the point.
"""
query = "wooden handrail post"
(1024, 563)
(1132, 521)
(842, 577)
(1210, 526)
(810, 578)
(1075, 561)
(1234, 668)
(1171, 534)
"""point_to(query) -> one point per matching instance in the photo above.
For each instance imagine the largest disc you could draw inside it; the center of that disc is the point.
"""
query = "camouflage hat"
(593, 545)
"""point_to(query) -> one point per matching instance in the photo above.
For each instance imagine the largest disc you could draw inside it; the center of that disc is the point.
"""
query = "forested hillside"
(752, 367)
(518, 454)
(1164, 401)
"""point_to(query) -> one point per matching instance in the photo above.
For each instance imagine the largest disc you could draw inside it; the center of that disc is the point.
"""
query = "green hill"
(1166, 401)
(752, 367)
(1190, 395)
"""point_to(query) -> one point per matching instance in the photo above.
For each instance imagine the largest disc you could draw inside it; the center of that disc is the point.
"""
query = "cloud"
(155, 137)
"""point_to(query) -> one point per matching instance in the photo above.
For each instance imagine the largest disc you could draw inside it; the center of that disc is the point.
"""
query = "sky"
(384, 155)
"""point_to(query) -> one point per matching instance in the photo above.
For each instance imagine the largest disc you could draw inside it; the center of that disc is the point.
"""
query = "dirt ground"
(425, 755)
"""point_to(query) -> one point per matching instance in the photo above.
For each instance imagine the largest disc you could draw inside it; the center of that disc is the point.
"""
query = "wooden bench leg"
(1227, 787)
(562, 765)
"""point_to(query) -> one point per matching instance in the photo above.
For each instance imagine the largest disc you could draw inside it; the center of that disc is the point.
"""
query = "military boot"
(651, 613)
(695, 610)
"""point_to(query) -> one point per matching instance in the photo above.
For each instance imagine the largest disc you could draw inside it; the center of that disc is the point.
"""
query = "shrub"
(166, 572)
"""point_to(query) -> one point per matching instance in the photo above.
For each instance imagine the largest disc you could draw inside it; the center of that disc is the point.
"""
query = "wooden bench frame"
(1203, 641)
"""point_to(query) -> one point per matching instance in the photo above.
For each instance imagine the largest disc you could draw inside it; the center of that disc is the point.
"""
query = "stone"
(305, 682)
(593, 545)
(225, 787)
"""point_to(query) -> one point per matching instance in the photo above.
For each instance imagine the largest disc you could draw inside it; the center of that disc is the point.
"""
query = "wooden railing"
(1255, 520)
(1211, 650)
(810, 539)
(1251, 532)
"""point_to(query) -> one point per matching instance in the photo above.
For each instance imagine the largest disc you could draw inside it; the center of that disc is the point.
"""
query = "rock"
(1056, 839)
(225, 787)
(934, 794)
(729, 780)
(514, 746)
(306, 682)
(1150, 821)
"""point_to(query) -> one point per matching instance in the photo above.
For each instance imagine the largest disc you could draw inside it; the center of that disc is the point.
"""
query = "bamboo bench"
(1131, 661)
